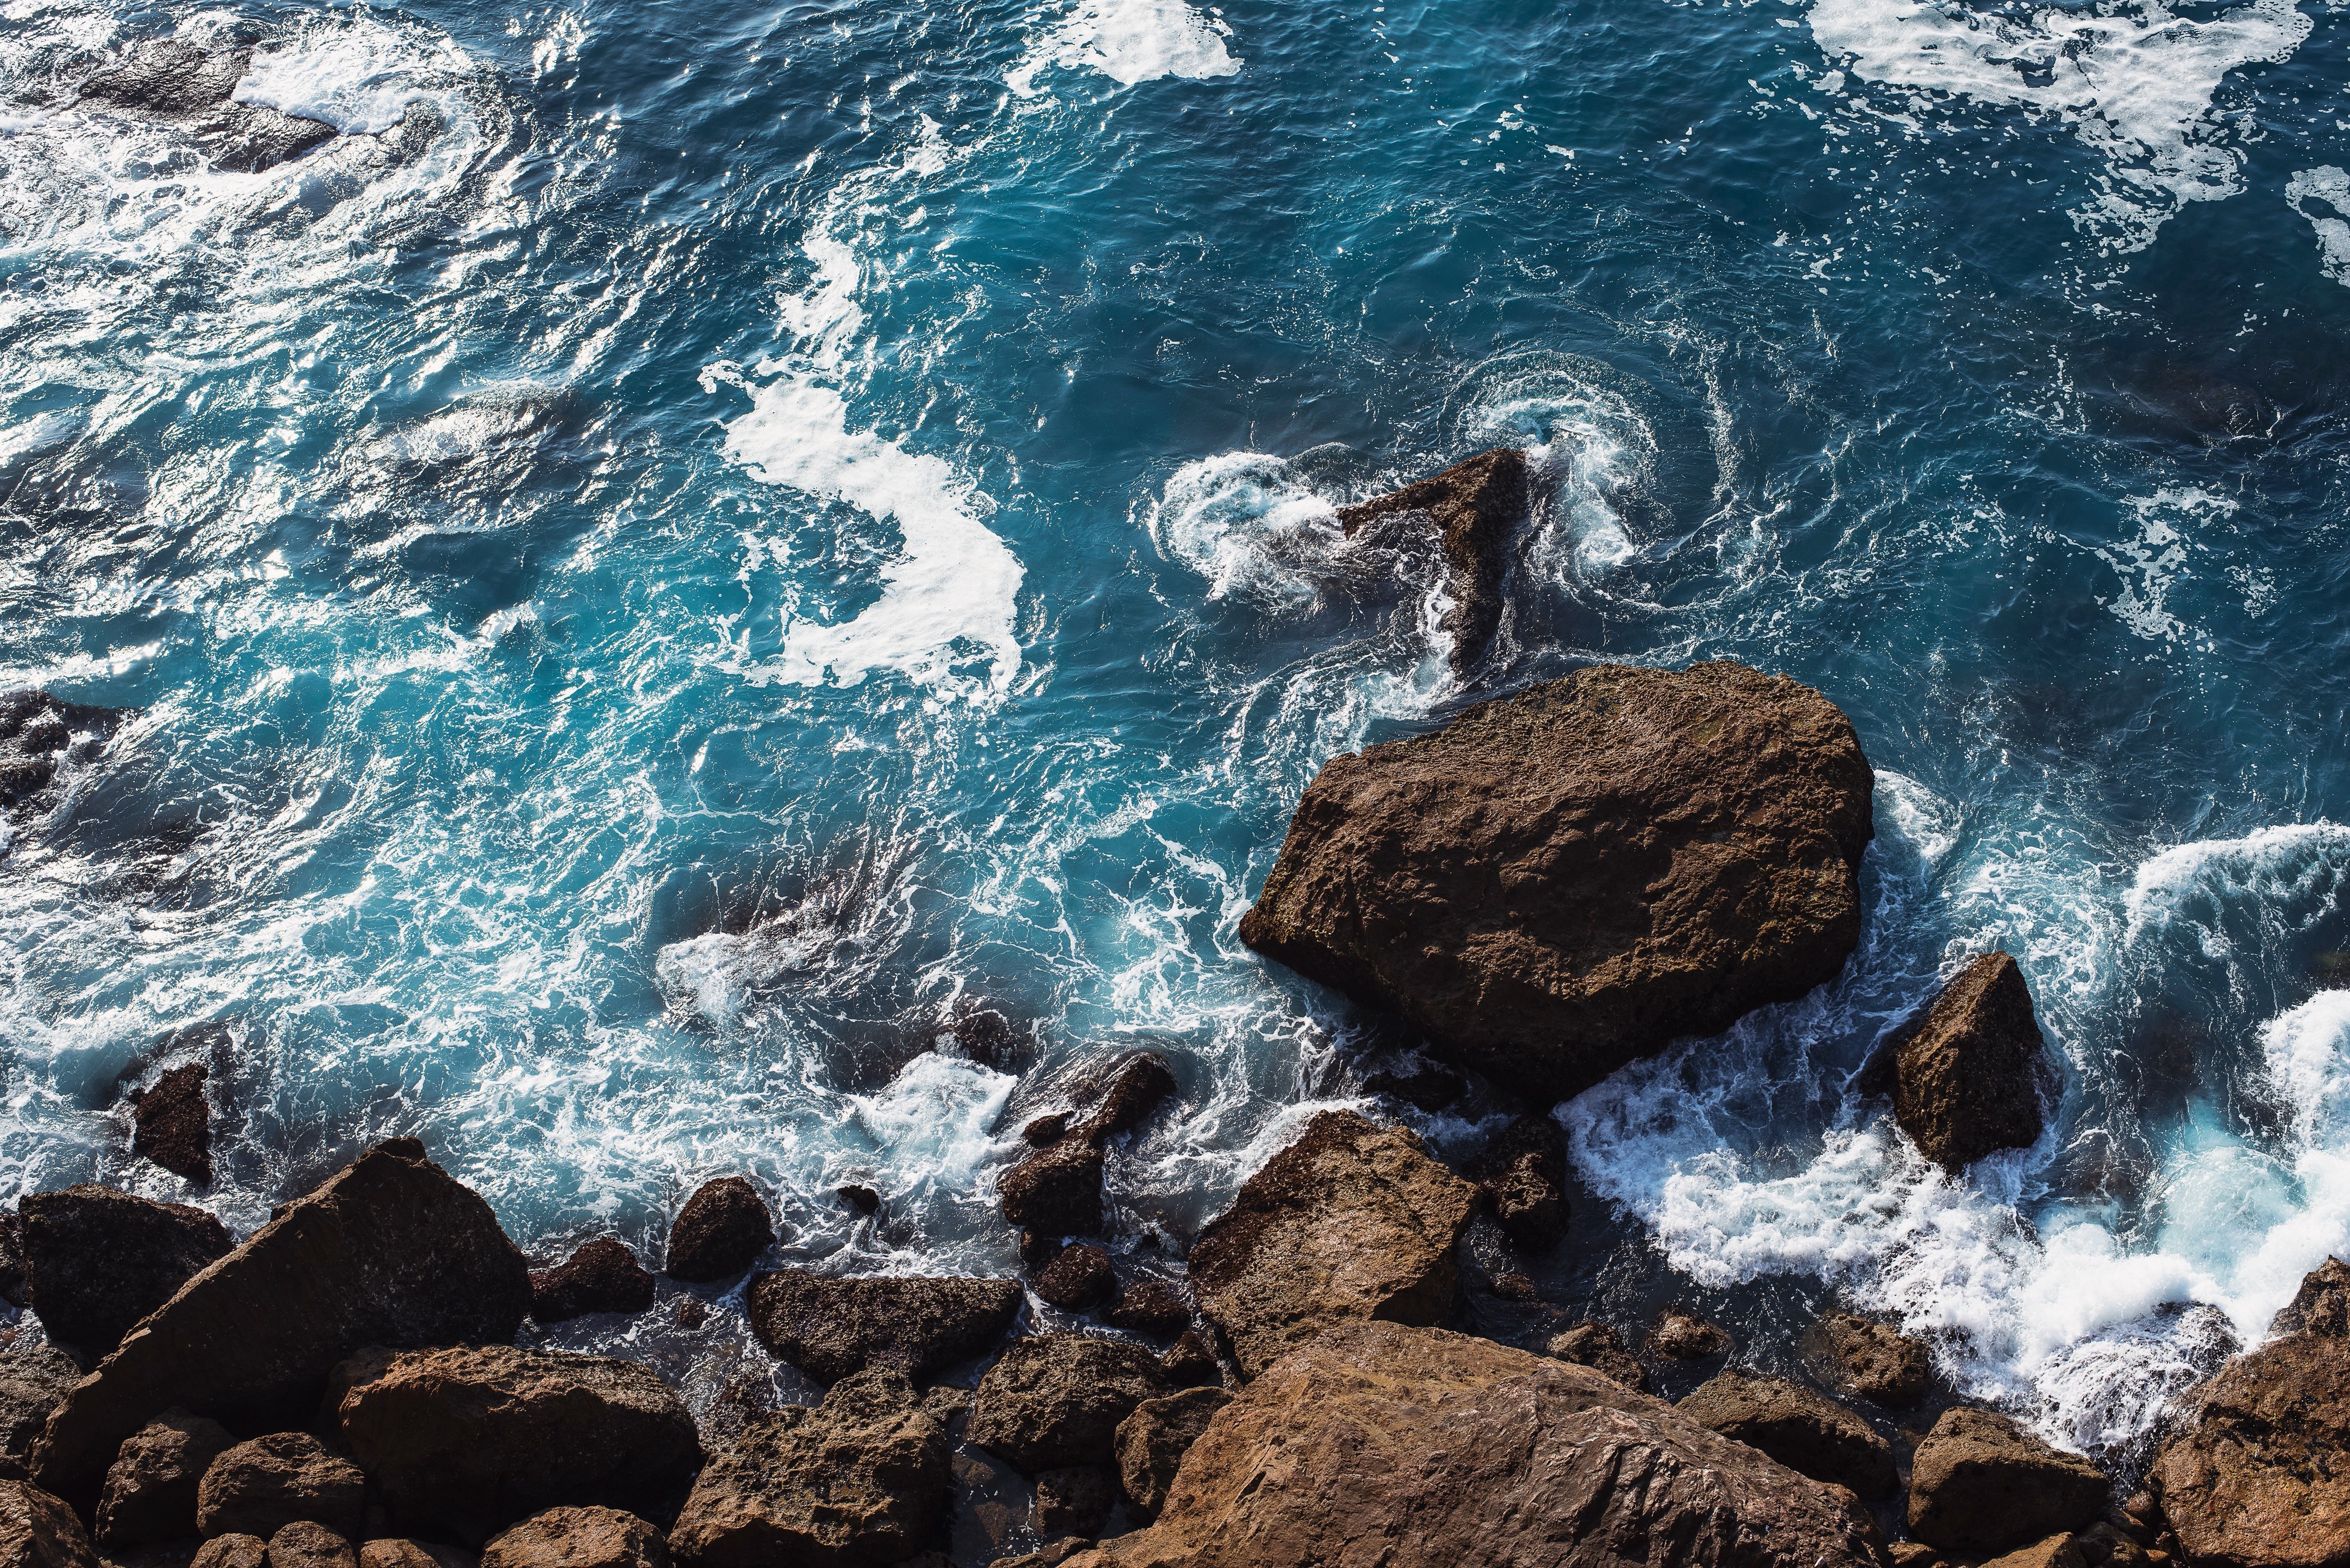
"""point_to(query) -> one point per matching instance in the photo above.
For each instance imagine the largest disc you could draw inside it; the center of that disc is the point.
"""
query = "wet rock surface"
(172, 1124)
(1352, 1221)
(38, 732)
(1152, 1306)
(603, 1275)
(1076, 1501)
(1077, 1279)
(1602, 1349)
(1522, 1177)
(1980, 1484)
(175, 80)
(720, 1232)
(1806, 1432)
(1564, 880)
(833, 1328)
(39, 1531)
(1678, 1335)
(1152, 1441)
(257, 1487)
(151, 1489)
(1966, 1077)
(1056, 1191)
(1056, 1401)
(1476, 509)
(1874, 1361)
(577, 1538)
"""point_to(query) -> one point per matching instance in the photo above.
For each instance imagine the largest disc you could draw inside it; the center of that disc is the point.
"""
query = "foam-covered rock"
(176, 81)
(1056, 1191)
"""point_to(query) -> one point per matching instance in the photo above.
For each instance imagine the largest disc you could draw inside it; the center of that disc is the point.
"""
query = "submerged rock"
(1522, 1177)
(39, 1531)
(150, 1488)
(37, 733)
(260, 1487)
(1056, 1401)
(96, 1261)
(603, 1275)
(1152, 1441)
(1056, 1191)
(1602, 1349)
(1965, 1078)
(577, 1538)
(1351, 1221)
(1980, 1484)
(1475, 508)
(720, 1232)
(173, 1125)
(1413, 1448)
(1564, 880)
(1871, 1360)
(831, 1329)
(175, 80)
(1799, 1428)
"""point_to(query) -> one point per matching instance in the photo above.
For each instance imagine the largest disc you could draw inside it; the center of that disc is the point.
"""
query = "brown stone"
(34, 1381)
(397, 1551)
(602, 1276)
(2321, 1306)
(1871, 1360)
(1056, 1191)
(833, 1328)
(37, 1530)
(2056, 1551)
(151, 1489)
(1352, 1221)
(96, 1261)
(1076, 1280)
(1046, 1131)
(1191, 1361)
(173, 1125)
(1602, 1349)
(1076, 1500)
(1152, 1306)
(1801, 1429)
(1413, 1448)
(1474, 509)
(1980, 1484)
(577, 1538)
(1522, 1177)
(304, 1544)
(1679, 1335)
(1152, 1441)
(1564, 880)
(1966, 1077)
(720, 1232)
(231, 1552)
(1056, 1401)
(260, 1487)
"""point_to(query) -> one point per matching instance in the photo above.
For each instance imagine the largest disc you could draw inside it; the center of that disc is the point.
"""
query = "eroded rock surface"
(1602, 1349)
(1678, 1335)
(831, 1329)
(258, 1488)
(1966, 1077)
(1077, 1279)
(1801, 1429)
(304, 1544)
(1152, 1441)
(1564, 880)
(1475, 508)
(720, 1232)
(175, 80)
(1057, 1400)
(577, 1538)
(34, 1381)
(603, 1275)
(1871, 1360)
(1980, 1484)
(150, 1488)
(1522, 1175)
(172, 1124)
(96, 1261)
(39, 1531)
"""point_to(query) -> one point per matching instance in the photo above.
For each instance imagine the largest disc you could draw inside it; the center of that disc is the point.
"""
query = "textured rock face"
(33, 1382)
(1152, 1306)
(259, 1488)
(1076, 1280)
(37, 1530)
(1980, 1484)
(389, 1252)
(720, 1232)
(860, 1479)
(1475, 508)
(304, 1544)
(1074, 1502)
(602, 1276)
(1562, 881)
(831, 1329)
(397, 1551)
(1965, 1078)
(1056, 1191)
(1418, 1449)
(2056, 1551)
(1871, 1360)
(577, 1538)
(1602, 1349)
(150, 1488)
(96, 1261)
(173, 1125)
(231, 1552)
(1352, 1221)
(1522, 1177)
(172, 79)
(1152, 1441)
(2262, 1474)
(471, 1440)
(1056, 1401)
(1678, 1335)
(38, 731)
(1797, 1427)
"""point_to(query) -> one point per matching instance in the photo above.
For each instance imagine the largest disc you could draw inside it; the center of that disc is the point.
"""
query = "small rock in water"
(577, 1538)
(172, 1125)
(1056, 1191)
(151, 1489)
(1683, 1336)
(1980, 1484)
(1476, 507)
(303, 1544)
(986, 1037)
(259, 1487)
(864, 1200)
(1425, 1085)
(173, 80)
(720, 1232)
(1602, 1349)
(833, 1328)
(1514, 1287)
(1074, 1500)
(1056, 1401)
(603, 1275)
(1152, 1441)
(1076, 1280)
(1875, 1362)
(98, 1261)
(1152, 1306)
(1801, 1429)
(1966, 1077)
(1522, 1178)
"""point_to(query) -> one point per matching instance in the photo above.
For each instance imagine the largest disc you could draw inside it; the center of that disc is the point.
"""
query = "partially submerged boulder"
(1056, 1191)
(1966, 1077)
(1522, 1177)
(96, 1261)
(1474, 508)
(577, 1538)
(1602, 1349)
(603, 1275)
(175, 80)
(1057, 1400)
(150, 1488)
(39, 1531)
(833, 1328)
(1564, 880)
(1414, 1447)
(1980, 1484)
(1871, 1360)
(1801, 1429)
(258, 1488)
(1352, 1221)
(172, 1125)
(1077, 1279)
(1152, 1441)
(720, 1232)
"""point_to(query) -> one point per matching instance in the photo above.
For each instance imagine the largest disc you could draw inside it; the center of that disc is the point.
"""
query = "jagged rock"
(1965, 1077)
(1142, 1082)
(259, 1487)
(577, 1538)
(1046, 1130)
(1522, 1177)
(1074, 1502)
(471, 1440)
(1799, 1428)
(231, 1552)
(603, 1275)
(2056, 1551)
(304, 1544)
(1414, 1447)
(1051, 1556)
(1980, 1484)
(864, 1200)
(33, 1382)
(1475, 508)
(173, 1125)
(1514, 1287)
(396, 1552)
(175, 80)
(96, 1261)
(1602, 1349)
(1351, 1221)
(387, 1251)
(1564, 880)
(11, 1258)
(1056, 1191)
(1076, 1280)
(1189, 1361)
(860, 1478)
(150, 1488)
(1152, 1441)
(1056, 1401)
(39, 732)
(1871, 1360)
(39, 1531)
(1677, 1336)
(720, 1232)
(2260, 1475)
(1152, 1306)
(831, 1329)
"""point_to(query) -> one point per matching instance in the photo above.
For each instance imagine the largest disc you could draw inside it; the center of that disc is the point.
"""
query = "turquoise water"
(695, 546)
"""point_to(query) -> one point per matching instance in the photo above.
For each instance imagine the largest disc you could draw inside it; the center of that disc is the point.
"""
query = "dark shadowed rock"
(173, 1125)
(468, 1441)
(96, 1261)
(1152, 1441)
(1352, 1221)
(1076, 1500)
(1522, 1177)
(1475, 508)
(1871, 1360)
(861, 1479)
(1965, 1078)
(831, 1329)
(1152, 1306)
(1142, 1083)
(231, 1552)
(37, 1530)
(1801, 1429)
(864, 1200)
(11, 1258)
(37, 733)
(398, 1552)
(577, 1538)
(1056, 1191)
(307, 1544)
(1602, 1349)
(1189, 1362)
(1076, 1280)
(1046, 1131)
(720, 1232)
(1562, 881)
(1678, 1335)
(33, 1382)
(173, 80)
(1413, 1448)
(259, 1487)
(389, 1252)
(150, 1488)
(1980, 1484)
(603, 1275)
(1056, 1401)
(1427, 1085)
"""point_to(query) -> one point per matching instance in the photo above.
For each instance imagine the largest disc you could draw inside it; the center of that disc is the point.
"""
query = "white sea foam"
(357, 76)
(1919, 818)
(2289, 873)
(931, 1128)
(1246, 523)
(1131, 41)
(2151, 564)
(2136, 82)
(2331, 186)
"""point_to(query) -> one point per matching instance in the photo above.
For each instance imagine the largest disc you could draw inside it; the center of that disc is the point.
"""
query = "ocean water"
(692, 548)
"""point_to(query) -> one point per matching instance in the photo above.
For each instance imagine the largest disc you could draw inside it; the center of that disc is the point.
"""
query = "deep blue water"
(700, 544)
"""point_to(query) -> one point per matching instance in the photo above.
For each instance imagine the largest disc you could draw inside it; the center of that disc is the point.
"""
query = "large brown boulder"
(2259, 1477)
(603, 1275)
(831, 1329)
(1562, 881)
(471, 1440)
(172, 1125)
(1056, 1191)
(1474, 508)
(37, 1530)
(1801, 1429)
(1152, 1441)
(1871, 1360)
(150, 1488)
(1966, 1076)
(1352, 1221)
(720, 1232)
(577, 1538)
(860, 1480)
(1980, 1484)
(389, 1252)
(1413, 1448)
(1057, 1400)
(260, 1487)
(96, 1261)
